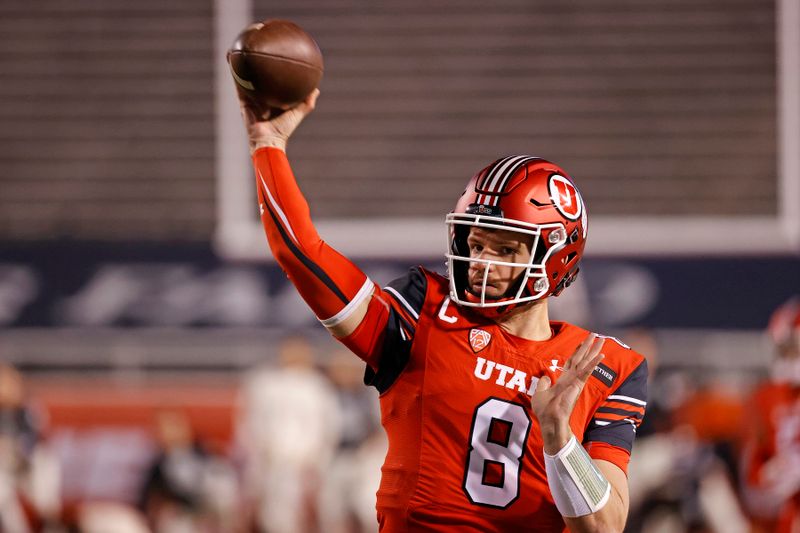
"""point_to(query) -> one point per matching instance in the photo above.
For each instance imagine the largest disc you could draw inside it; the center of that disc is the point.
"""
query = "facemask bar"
(533, 269)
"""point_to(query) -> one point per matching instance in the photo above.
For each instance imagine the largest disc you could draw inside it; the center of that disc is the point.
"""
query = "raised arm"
(338, 292)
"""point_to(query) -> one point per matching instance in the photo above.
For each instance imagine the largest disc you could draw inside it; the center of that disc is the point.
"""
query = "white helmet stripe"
(496, 179)
(513, 170)
(499, 172)
(484, 182)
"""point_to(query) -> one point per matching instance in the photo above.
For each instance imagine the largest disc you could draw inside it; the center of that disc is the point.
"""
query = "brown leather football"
(275, 65)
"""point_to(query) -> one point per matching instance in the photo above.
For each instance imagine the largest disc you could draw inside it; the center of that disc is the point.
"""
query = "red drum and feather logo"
(565, 197)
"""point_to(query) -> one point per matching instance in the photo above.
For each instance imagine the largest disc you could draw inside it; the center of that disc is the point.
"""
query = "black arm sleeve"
(617, 418)
(406, 296)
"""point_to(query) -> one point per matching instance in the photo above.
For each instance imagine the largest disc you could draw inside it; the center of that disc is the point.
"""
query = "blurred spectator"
(771, 458)
(289, 430)
(683, 469)
(187, 489)
(347, 503)
(30, 475)
(110, 517)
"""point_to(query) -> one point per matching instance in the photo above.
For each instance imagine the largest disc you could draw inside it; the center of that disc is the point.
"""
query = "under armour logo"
(261, 208)
(554, 366)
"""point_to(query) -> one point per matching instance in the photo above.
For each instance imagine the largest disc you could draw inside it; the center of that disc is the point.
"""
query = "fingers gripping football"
(553, 403)
(274, 130)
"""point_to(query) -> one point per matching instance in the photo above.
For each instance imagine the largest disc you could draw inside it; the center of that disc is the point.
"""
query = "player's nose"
(479, 269)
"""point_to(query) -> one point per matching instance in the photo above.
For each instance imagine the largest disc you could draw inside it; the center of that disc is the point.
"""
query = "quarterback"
(498, 419)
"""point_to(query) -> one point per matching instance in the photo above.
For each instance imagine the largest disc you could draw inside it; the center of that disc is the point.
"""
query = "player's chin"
(492, 292)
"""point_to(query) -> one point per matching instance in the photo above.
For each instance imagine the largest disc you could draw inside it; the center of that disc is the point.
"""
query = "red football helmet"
(532, 197)
(784, 325)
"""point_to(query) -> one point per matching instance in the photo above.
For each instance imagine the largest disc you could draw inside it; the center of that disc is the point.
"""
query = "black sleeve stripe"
(634, 388)
(621, 433)
(405, 325)
(409, 291)
(621, 412)
(402, 302)
(395, 355)
(309, 264)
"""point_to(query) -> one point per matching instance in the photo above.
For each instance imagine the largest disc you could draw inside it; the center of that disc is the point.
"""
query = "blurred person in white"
(288, 429)
(30, 474)
(187, 489)
(347, 500)
(771, 456)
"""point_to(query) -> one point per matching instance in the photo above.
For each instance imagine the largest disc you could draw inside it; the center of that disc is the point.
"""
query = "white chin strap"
(786, 370)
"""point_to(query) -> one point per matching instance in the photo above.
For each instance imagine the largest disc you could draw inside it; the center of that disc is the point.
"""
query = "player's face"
(496, 245)
(791, 349)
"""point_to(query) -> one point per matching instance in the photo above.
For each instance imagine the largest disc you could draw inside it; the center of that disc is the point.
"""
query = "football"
(275, 65)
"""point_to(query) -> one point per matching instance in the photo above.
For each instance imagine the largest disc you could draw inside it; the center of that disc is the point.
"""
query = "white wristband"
(576, 484)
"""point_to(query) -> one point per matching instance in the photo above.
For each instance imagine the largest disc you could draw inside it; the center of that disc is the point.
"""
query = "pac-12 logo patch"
(565, 197)
(479, 339)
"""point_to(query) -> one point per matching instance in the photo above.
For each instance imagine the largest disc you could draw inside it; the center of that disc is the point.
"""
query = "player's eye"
(507, 250)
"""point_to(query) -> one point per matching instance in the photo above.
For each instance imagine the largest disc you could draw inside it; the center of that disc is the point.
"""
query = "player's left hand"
(553, 403)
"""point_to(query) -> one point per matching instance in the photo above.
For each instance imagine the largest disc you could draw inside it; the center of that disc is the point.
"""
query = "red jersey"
(465, 449)
(771, 466)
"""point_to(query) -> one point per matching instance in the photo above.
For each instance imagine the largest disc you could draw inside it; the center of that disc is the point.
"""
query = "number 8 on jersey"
(497, 443)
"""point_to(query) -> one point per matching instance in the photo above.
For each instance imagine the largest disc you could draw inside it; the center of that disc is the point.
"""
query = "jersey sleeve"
(612, 429)
(329, 283)
(404, 298)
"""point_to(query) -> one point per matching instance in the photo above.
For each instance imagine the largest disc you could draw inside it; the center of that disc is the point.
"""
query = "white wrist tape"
(576, 484)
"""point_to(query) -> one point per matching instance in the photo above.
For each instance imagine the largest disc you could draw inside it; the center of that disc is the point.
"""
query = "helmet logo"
(479, 339)
(565, 197)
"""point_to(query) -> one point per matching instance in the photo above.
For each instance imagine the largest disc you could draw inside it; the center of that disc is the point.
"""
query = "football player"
(771, 457)
(498, 419)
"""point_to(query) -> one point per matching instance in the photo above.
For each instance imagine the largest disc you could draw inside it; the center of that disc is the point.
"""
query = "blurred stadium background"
(134, 276)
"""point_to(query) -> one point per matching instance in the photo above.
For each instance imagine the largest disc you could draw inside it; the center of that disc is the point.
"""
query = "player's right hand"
(553, 403)
(275, 131)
